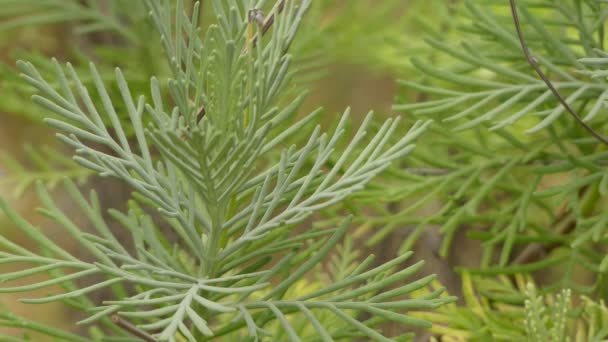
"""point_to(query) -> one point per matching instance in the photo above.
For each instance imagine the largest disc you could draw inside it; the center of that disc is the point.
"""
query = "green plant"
(508, 186)
(223, 171)
(503, 309)
(506, 164)
(119, 33)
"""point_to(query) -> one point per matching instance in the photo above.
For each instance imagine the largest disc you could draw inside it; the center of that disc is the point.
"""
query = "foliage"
(503, 163)
(123, 37)
(505, 310)
(507, 165)
(543, 322)
(221, 257)
(50, 167)
(512, 188)
(395, 31)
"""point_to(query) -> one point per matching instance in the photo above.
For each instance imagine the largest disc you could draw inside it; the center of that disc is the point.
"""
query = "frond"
(391, 27)
(197, 155)
(11, 320)
(544, 323)
(119, 28)
(515, 193)
(503, 309)
(484, 83)
(47, 165)
(90, 16)
(170, 295)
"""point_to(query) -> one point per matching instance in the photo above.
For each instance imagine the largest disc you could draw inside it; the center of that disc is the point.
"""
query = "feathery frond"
(202, 268)
(48, 166)
(520, 195)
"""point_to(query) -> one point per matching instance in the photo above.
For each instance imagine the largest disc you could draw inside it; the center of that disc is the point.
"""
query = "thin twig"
(269, 21)
(132, 329)
(564, 221)
(541, 74)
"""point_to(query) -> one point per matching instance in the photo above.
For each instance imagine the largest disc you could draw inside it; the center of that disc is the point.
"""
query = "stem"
(217, 222)
(266, 25)
(532, 61)
(132, 329)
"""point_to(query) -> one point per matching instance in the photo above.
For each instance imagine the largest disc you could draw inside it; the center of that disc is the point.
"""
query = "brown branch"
(565, 222)
(541, 74)
(132, 329)
(268, 21)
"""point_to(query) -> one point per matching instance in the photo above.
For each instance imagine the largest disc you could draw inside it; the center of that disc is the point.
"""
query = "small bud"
(256, 15)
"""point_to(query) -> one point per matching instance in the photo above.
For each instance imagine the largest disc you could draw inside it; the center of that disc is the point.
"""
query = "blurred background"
(351, 54)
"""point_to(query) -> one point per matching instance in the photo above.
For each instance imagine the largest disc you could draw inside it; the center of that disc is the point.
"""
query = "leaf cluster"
(505, 164)
(509, 189)
(219, 184)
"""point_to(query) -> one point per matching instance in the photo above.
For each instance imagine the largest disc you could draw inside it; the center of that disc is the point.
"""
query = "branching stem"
(132, 329)
(541, 74)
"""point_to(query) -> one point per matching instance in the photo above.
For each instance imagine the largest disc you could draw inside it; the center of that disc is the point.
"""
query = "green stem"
(8, 319)
(217, 222)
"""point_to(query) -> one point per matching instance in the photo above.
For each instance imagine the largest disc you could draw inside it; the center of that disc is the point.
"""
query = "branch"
(267, 23)
(564, 221)
(255, 15)
(541, 74)
(132, 329)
